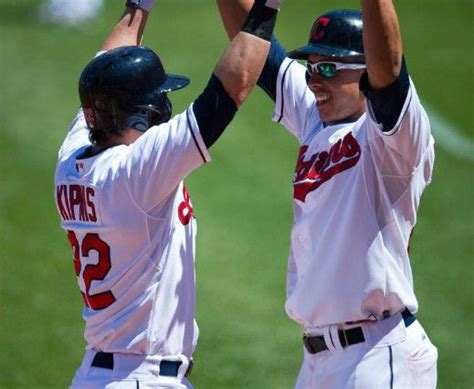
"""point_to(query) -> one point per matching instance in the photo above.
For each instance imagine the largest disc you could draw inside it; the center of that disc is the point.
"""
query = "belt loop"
(328, 338)
(87, 361)
(336, 341)
(184, 367)
(158, 360)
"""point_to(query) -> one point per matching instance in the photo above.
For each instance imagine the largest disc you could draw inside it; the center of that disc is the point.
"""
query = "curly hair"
(102, 137)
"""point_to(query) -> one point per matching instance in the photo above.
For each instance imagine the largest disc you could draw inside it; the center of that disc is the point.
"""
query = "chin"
(325, 117)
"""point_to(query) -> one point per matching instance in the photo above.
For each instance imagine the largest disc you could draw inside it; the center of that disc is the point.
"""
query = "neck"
(129, 136)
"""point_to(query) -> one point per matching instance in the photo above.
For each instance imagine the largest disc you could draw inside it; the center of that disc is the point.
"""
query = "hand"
(145, 5)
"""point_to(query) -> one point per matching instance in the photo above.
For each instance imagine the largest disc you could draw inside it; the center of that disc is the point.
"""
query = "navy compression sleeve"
(387, 103)
(268, 78)
(214, 110)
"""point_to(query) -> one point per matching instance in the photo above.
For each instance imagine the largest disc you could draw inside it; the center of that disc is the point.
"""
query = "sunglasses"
(330, 69)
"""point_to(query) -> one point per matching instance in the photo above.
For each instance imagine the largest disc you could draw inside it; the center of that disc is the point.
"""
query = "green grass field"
(242, 199)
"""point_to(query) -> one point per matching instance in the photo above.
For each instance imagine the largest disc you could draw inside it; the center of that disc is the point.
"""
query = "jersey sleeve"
(295, 105)
(409, 144)
(77, 136)
(214, 109)
(160, 158)
(268, 77)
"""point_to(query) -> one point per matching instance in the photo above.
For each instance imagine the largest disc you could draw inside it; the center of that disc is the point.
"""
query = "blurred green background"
(242, 199)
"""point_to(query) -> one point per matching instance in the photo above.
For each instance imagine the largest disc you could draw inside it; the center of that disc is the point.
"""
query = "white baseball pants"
(392, 356)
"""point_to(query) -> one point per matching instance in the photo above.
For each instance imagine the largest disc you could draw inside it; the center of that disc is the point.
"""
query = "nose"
(314, 79)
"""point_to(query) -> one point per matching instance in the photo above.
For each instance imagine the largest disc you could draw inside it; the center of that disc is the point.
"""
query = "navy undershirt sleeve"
(268, 78)
(387, 103)
(214, 109)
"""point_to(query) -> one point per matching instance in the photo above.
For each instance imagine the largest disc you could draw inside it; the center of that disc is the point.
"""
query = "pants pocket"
(422, 357)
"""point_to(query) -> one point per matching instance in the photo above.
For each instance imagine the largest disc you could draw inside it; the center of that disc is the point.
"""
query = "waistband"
(344, 337)
(167, 368)
(123, 365)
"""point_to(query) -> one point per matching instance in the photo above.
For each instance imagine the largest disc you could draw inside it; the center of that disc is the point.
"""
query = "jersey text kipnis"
(76, 202)
(312, 171)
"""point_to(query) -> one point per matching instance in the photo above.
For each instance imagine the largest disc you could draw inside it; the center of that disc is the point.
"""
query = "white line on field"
(449, 137)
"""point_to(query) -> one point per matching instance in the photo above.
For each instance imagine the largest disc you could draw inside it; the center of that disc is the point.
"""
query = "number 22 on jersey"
(97, 272)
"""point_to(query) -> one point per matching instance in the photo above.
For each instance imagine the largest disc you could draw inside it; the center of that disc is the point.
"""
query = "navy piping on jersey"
(281, 94)
(391, 366)
(194, 137)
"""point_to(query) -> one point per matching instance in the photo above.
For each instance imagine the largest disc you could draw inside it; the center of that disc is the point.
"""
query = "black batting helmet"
(334, 34)
(126, 88)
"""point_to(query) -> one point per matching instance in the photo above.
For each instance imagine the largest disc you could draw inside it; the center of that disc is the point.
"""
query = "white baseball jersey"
(129, 220)
(356, 194)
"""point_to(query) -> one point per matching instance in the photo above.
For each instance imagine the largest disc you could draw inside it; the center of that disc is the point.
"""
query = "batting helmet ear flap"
(149, 115)
(137, 121)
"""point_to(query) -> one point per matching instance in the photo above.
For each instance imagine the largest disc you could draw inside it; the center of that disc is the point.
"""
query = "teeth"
(322, 98)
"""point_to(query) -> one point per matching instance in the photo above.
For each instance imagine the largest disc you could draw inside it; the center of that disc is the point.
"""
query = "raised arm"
(382, 42)
(129, 29)
(241, 65)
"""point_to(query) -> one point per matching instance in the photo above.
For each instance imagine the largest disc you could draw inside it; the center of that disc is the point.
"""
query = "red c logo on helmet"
(317, 32)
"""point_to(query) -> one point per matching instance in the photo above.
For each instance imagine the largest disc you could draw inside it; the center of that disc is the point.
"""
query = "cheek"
(350, 94)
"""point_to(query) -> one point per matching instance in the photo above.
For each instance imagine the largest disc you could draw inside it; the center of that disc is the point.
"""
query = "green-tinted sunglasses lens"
(327, 70)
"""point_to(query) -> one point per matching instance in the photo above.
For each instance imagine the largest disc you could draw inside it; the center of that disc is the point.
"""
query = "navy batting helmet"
(334, 34)
(126, 88)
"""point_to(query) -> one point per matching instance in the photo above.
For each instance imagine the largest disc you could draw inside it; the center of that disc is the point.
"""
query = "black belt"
(316, 344)
(167, 368)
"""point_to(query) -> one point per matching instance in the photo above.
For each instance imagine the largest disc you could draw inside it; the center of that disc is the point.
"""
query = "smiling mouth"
(321, 99)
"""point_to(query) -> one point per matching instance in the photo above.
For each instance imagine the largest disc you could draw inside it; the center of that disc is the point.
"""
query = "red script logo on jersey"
(312, 172)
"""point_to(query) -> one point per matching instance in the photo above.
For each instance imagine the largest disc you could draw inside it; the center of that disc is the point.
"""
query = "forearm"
(242, 63)
(382, 42)
(233, 14)
(128, 31)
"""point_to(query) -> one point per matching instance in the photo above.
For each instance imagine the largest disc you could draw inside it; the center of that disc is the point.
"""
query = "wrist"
(145, 5)
(261, 19)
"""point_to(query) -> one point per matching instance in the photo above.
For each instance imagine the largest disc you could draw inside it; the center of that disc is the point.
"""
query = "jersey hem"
(280, 101)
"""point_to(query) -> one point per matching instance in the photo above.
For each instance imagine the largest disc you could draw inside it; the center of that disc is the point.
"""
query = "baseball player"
(123, 204)
(366, 155)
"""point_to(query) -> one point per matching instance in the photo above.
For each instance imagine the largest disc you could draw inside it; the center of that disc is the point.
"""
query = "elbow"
(396, 66)
(239, 89)
(245, 86)
(381, 76)
(240, 97)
